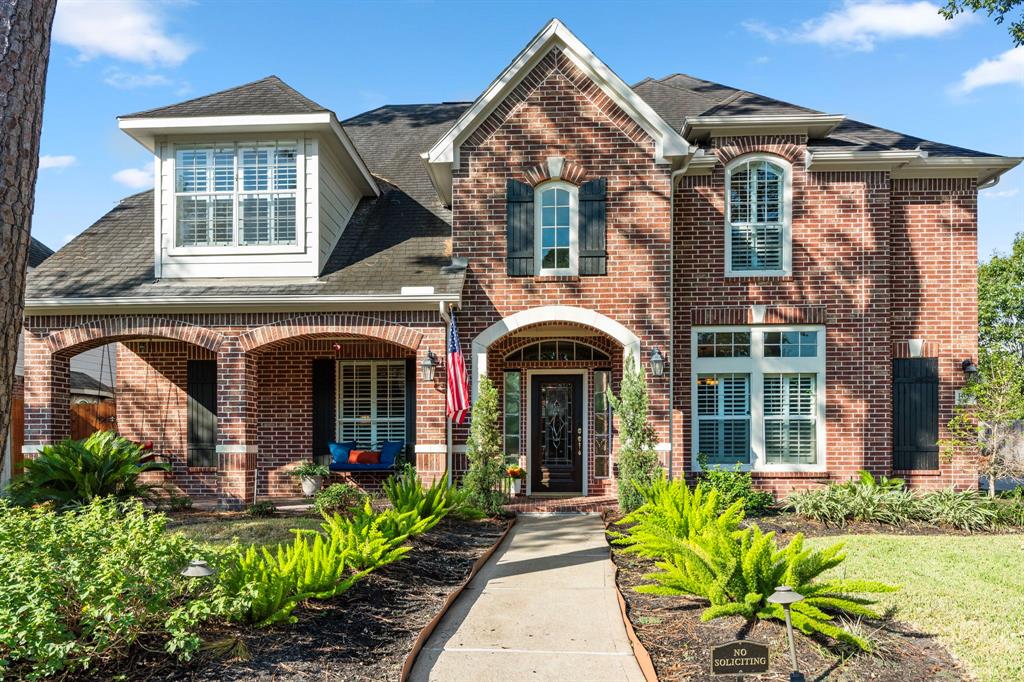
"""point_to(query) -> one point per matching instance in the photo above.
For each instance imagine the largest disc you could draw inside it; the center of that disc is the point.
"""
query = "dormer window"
(236, 194)
(557, 224)
(758, 234)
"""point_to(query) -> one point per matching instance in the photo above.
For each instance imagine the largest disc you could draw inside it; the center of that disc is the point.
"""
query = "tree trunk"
(991, 485)
(24, 55)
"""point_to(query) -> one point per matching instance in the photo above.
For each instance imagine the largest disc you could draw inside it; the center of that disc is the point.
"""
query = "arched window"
(758, 189)
(557, 350)
(557, 228)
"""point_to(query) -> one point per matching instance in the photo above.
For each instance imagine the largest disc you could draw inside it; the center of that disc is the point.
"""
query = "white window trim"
(170, 166)
(610, 418)
(787, 216)
(757, 366)
(574, 229)
(339, 420)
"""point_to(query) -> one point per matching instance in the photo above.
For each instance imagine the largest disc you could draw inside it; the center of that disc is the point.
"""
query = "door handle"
(579, 440)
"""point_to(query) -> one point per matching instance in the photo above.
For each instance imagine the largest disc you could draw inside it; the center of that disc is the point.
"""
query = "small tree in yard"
(987, 425)
(638, 461)
(486, 475)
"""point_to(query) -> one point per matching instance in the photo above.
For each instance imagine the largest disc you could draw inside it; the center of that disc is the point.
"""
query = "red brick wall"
(557, 111)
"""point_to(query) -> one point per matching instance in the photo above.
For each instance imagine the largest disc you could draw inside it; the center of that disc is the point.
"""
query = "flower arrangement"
(515, 471)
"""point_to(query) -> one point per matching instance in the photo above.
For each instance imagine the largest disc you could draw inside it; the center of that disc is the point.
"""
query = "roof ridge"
(209, 94)
(279, 83)
(661, 81)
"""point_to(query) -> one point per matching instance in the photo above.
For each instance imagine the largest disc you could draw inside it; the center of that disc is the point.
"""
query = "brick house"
(798, 286)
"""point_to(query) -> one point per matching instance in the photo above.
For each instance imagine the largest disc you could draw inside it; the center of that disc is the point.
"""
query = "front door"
(557, 445)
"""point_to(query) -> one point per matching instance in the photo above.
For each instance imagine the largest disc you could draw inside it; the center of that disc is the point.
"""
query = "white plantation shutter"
(723, 415)
(756, 216)
(790, 416)
(371, 402)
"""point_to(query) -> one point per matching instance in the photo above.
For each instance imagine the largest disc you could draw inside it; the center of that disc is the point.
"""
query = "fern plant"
(671, 513)
(367, 540)
(408, 494)
(736, 572)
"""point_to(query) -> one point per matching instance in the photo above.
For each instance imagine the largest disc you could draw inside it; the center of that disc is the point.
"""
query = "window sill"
(557, 278)
(235, 250)
(759, 274)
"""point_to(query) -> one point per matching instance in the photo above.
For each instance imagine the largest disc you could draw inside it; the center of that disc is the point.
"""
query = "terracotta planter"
(311, 485)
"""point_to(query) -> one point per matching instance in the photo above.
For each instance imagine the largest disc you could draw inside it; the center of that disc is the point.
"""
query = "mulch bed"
(364, 635)
(680, 643)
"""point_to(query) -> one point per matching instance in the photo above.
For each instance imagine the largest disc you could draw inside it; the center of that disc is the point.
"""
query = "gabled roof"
(37, 253)
(669, 143)
(267, 96)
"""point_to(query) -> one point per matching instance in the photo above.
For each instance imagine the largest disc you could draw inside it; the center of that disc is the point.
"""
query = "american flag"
(457, 396)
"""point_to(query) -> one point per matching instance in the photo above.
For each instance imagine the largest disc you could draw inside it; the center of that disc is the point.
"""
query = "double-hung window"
(371, 401)
(758, 216)
(237, 194)
(758, 396)
(557, 225)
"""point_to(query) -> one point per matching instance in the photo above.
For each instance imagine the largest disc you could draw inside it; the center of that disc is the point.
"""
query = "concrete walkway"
(543, 608)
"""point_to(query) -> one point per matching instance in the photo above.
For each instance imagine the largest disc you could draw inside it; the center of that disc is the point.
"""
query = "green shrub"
(79, 588)
(179, 503)
(408, 494)
(732, 485)
(71, 473)
(672, 512)
(261, 510)
(310, 470)
(1009, 512)
(638, 461)
(486, 480)
(964, 509)
(337, 498)
(883, 500)
(372, 540)
(737, 571)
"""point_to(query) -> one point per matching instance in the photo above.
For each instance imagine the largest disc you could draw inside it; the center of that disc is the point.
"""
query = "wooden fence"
(87, 418)
(17, 435)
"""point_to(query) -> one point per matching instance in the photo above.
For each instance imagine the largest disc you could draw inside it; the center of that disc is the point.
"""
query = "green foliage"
(672, 512)
(267, 585)
(179, 503)
(72, 473)
(261, 510)
(867, 479)
(736, 572)
(337, 498)
(371, 540)
(310, 470)
(732, 485)
(993, 8)
(486, 480)
(964, 509)
(638, 461)
(1009, 511)
(408, 494)
(79, 588)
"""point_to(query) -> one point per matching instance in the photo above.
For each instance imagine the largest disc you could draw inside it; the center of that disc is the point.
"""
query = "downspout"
(671, 316)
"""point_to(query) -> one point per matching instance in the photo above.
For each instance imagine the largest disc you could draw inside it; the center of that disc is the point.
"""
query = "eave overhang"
(146, 131)
(670, 146)
(912, 163)
(814, 126)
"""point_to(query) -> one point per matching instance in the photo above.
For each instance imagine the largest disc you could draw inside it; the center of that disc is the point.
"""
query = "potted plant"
(312, 476)
(517, 474)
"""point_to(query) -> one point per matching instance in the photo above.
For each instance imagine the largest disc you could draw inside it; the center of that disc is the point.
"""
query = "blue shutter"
(519, 237)
(592, 221)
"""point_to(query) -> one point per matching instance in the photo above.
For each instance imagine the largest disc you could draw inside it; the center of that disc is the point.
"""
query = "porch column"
(431, 423)
(237, 402)
(47, 398)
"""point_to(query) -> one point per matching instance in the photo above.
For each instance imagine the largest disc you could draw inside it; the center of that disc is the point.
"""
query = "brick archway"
(331, 323)
(112, 329)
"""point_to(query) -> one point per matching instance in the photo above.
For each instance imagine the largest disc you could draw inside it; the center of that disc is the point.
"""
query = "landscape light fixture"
(786, 597)
(428, 366)
(657, 363)
(198, 569)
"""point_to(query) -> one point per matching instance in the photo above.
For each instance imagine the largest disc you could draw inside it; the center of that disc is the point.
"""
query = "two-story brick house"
(798, 286)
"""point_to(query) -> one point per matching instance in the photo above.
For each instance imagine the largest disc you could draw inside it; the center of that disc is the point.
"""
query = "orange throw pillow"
(363, 457)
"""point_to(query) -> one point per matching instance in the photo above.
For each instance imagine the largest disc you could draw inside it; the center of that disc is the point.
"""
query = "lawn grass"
(220, 531)
(968, 590)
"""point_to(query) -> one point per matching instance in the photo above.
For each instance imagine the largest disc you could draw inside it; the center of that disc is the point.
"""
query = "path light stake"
(198, 569)
(785, 596)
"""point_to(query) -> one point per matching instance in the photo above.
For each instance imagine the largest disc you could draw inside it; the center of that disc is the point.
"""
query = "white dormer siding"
(338, 198)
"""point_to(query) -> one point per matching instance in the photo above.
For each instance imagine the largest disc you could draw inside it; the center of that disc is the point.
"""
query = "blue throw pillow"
(340, 451)
(389, 451)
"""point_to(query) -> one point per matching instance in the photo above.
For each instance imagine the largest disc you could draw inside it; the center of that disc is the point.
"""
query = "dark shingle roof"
(80, 382)
(37, 253)
(680, 96)
(269, 95)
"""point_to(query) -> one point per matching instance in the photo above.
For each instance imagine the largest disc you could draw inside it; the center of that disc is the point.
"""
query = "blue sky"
(893, 64)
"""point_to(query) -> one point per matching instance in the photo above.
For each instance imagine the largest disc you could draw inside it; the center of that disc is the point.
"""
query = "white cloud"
(859, 25)
(136, 178)
(67, 238)
(130, 30)
(127, 81)
(1006, 68)
(59, 161)
(1000, 193)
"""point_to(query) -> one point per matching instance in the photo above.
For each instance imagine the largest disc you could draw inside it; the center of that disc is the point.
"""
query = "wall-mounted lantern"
(970, 370)
(657, 363)
(429, 366)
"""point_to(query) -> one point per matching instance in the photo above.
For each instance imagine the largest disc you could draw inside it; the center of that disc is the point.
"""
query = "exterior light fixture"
(198, 569)
(786, 597)
(428, 366)
(657, 363)
(970, 370)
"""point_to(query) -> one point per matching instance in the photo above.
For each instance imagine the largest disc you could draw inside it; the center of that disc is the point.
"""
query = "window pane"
(190, 168)
(512, 408)
(548, 216)
(547, 199)
(562, 216)
(723, 409)
(255, 165)
(371, 402)
(756, 214)
(224, 170)
(790, 418)
(562, 259)
(602, 424)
